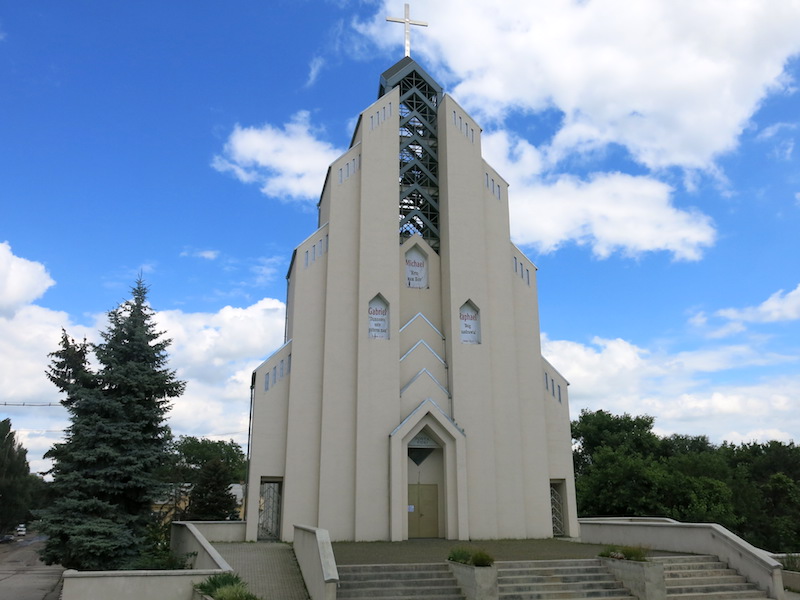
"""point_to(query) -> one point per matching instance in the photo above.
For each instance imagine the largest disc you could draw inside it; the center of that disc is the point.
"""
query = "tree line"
(622, 468)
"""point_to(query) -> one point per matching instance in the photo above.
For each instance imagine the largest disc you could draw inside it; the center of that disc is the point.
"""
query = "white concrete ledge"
(755, 564)
(312, 547)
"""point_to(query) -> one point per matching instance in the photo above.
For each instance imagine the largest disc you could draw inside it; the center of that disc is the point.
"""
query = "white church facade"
(410, 398)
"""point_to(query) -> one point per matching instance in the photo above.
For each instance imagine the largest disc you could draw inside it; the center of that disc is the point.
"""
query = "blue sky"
(649, 148)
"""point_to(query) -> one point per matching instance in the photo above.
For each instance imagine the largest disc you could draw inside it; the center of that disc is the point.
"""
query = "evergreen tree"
(104, 473)
(15, 483)
(210, 498)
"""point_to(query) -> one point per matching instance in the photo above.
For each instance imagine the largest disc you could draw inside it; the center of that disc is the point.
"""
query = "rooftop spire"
(408, 23)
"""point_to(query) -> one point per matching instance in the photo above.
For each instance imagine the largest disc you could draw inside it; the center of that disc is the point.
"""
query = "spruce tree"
(105, 472)
(210, 498)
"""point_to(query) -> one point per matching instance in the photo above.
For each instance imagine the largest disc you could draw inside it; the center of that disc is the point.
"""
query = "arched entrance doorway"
(425, 487)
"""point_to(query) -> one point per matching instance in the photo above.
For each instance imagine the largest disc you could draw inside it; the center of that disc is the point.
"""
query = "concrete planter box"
(645, 580)
(477, 583)
(791, 579)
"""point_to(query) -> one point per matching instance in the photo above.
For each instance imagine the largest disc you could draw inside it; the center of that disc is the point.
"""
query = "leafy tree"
(188, 457)
(210, 498)
(623, 468)
(15, 483)
(104, 473)
(191, 454)
(594, 430)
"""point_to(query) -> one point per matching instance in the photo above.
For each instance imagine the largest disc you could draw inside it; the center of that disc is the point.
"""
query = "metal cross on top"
(408, 23)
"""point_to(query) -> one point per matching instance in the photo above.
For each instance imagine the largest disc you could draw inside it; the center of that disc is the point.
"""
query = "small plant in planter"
(213, 583)
(481, 559)
(460, 555)
(468, 556)
(635, 553)
(236, 591)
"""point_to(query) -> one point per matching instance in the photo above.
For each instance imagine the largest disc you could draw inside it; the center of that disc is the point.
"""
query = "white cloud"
(214, 352)
(314, 69)
(780, 306)
(675, 82)
(21, 281)
(205, 254)
(611, 212)
(289, 163)
(679, 390)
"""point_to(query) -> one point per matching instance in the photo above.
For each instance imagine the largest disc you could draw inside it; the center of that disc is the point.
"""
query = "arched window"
(469, 319)
(416, 268)
(378, 318)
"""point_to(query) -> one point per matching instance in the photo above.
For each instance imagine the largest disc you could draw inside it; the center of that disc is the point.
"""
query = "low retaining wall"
(218, 531)
(314, 553)
(791, 579)
(166, 585)
(132, 585)
(755, 564)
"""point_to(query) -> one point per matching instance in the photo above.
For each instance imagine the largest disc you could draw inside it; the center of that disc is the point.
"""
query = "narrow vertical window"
(546, 381)
(289, 364)
(281, 370)
(371, 122)
(266, 382)
(454, 117)
(326, 246)
(340, 176)
(274, 375)
(390, 112)
(306, 257)
(559, 393)
(528, 275)
(469, 320)
(515, 264)
(313, 253)
(487, 181)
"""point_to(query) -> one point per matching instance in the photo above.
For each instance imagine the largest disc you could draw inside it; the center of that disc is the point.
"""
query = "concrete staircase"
(704, 578)
(398, 582)
(558, 579)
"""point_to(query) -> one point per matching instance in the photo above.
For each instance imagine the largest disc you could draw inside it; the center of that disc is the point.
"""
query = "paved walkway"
(433, 550)
(269, 568)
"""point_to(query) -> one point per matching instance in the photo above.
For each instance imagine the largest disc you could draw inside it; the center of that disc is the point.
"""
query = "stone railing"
(755, 564)
(314, 553)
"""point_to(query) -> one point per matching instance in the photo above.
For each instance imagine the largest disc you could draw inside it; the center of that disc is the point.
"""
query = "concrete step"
(558, 580)
(690, 558)
(515, 576)
(710, 588)
(740, 595)
(705, 580)
(693, 573)
(398, 582)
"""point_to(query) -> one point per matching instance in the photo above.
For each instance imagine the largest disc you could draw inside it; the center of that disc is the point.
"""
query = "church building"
(410, 398)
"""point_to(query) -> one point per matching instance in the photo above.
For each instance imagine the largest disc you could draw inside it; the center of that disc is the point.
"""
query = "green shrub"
(460, 555)
(213, 582)
(235, 591)
(481, 559)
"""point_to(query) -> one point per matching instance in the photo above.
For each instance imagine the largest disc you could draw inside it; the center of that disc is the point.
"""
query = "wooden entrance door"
(423, 510)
